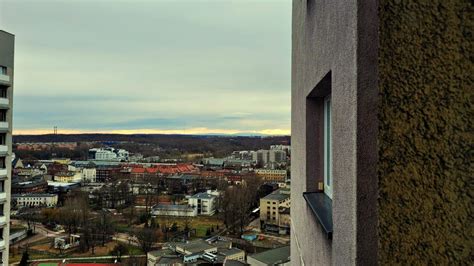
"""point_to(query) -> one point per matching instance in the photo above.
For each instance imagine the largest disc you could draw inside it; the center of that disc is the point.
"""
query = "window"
(3, 92)
(327, 147)
(3, 70)
(3, 115)
(3, 139)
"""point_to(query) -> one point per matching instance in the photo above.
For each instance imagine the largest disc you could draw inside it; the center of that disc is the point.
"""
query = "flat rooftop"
(195, 246)
(273, 256)
(277, 195)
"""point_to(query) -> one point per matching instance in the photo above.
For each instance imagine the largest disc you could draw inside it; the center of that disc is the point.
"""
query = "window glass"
(328, 147)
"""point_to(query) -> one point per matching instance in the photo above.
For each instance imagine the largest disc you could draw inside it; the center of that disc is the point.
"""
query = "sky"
(187, 67)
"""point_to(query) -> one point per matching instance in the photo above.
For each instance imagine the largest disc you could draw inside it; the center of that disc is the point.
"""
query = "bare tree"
(146, 237)
(236, 203)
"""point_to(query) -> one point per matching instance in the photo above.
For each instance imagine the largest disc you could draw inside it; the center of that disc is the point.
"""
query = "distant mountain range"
(134, 137)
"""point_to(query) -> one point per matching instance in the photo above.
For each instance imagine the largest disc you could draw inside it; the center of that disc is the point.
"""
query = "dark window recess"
(2, 162)
(321, 206)
(3, 70)
(3, 115)
(3, 92)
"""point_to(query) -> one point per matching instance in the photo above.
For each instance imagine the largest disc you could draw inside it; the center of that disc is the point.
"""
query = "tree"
(24, 258)
(165, 226)
(174, 227)
(146, 237)
(105, 227)
(118, 251)
(237, 201)
(187, 221)
(75, 212)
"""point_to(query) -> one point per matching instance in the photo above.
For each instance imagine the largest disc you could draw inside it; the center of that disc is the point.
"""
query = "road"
(82, 258)
(41, 233)
(126, 238)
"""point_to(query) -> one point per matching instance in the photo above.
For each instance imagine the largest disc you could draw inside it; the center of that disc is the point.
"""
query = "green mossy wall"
(426, 141)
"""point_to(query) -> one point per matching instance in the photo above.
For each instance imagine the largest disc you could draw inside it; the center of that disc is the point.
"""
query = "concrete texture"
(425, 168)
(325, 40)
(7, 47)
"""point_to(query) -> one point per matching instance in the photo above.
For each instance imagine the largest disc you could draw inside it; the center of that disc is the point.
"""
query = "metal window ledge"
(321, 206)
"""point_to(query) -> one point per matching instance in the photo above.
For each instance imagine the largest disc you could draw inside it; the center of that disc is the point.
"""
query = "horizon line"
(190, 131)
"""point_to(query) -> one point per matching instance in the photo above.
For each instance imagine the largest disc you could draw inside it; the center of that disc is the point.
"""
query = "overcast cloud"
(151, 66)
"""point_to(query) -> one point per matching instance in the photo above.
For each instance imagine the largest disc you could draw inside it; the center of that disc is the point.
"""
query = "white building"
(108, 154)
(89, 175)
(276, 156)
(35, 200)
(286, 148)
(268, 157)
(7, 50)
(204, 203)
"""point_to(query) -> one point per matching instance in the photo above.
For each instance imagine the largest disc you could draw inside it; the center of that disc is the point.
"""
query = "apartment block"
(7, 43)
(381, 137)
(204, 203)
(89, 174)
(274, 211)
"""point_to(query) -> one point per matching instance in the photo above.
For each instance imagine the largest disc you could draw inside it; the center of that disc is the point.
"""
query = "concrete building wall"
(328, 57)
(36, 200)
(204, 206)
(7, 44)
(89, 175)
(426, 111)
(400, 78)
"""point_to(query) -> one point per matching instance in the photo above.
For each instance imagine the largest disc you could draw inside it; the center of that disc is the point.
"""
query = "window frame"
(327, 153)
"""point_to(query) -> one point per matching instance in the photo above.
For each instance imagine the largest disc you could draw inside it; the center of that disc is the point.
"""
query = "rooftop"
(195, 246)
(279, 195)
(273, 256)
(202, 195)
(33, 195)
(229, 251)
(171, 207)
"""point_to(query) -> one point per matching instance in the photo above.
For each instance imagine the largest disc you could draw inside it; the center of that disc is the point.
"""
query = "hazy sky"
(151, 66)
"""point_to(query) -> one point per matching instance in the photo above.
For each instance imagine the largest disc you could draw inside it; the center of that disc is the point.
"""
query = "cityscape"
(205, 132)
(177, 208)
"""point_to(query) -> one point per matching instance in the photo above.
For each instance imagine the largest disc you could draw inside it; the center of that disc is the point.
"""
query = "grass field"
(199, 223)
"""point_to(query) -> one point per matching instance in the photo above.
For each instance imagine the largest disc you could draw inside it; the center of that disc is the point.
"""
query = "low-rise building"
(173, 210)
(205, 203)
(216, 251)
(31, 185)
(269, 175)
(164, 257)
(276, 256)
(193, 247)
(35, 200)
(68, 177)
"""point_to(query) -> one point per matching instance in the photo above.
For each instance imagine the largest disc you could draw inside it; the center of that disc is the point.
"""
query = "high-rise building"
(7, 42)
(381, 132)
